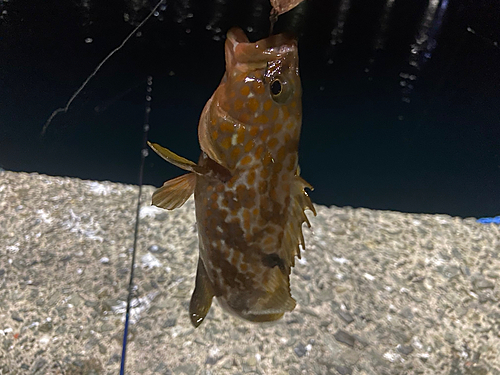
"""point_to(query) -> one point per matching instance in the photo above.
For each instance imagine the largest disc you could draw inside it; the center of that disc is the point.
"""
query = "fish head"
(260, 90)
(260, 79)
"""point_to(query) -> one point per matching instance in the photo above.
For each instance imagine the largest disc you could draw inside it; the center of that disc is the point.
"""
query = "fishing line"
(144, 154)
(77, 92)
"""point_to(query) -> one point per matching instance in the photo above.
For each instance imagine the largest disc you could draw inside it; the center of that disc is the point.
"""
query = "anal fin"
(175, 192)
(201, 300)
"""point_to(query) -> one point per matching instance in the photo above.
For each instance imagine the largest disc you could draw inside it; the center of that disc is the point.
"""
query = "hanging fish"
(249, 197)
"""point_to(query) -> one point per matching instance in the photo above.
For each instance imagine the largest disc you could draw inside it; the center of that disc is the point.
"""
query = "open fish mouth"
(260, 52)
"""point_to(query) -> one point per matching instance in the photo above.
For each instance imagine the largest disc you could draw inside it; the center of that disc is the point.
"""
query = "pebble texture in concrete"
(378, 292)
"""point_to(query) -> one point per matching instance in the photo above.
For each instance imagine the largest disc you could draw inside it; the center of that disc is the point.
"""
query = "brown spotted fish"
(249, 197)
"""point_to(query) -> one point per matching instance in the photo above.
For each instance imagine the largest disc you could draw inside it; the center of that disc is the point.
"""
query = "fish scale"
(249, 197)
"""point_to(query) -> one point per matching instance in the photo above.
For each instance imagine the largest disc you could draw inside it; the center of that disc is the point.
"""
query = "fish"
(250, 200)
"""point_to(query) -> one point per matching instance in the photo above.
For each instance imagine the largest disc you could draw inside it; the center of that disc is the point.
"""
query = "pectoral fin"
(177, 160)
(201, 300)
(174, 193)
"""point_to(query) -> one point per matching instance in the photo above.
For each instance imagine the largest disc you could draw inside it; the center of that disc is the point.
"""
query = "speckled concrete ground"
(378, 292)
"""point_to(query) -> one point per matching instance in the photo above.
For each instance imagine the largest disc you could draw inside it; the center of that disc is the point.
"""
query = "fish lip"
(260, 52)
(237, 35)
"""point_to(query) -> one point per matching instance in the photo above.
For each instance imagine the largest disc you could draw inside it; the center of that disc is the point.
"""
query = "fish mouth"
(239, 50)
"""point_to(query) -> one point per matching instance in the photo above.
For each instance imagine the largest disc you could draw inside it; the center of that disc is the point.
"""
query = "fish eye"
(280, 89)
(276, 87)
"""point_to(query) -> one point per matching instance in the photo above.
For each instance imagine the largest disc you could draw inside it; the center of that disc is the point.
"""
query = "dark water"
(401, 98)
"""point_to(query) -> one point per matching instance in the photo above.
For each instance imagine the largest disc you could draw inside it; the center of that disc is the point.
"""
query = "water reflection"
(381, 37)
(425, 43)
(384, 21)
(338, 31)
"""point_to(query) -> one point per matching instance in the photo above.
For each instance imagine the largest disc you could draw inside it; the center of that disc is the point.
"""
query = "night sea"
(401, 106)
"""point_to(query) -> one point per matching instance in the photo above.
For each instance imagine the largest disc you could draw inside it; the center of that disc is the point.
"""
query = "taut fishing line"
(144, 154)
(77, 92)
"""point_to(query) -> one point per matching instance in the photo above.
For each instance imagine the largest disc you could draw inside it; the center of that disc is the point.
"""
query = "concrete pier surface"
(378, 292)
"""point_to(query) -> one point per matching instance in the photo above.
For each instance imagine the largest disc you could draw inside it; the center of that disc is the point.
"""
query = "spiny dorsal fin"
(300, 202)
(174, 193)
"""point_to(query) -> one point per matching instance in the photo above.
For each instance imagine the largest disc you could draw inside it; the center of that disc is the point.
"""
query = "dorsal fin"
(293, 236)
